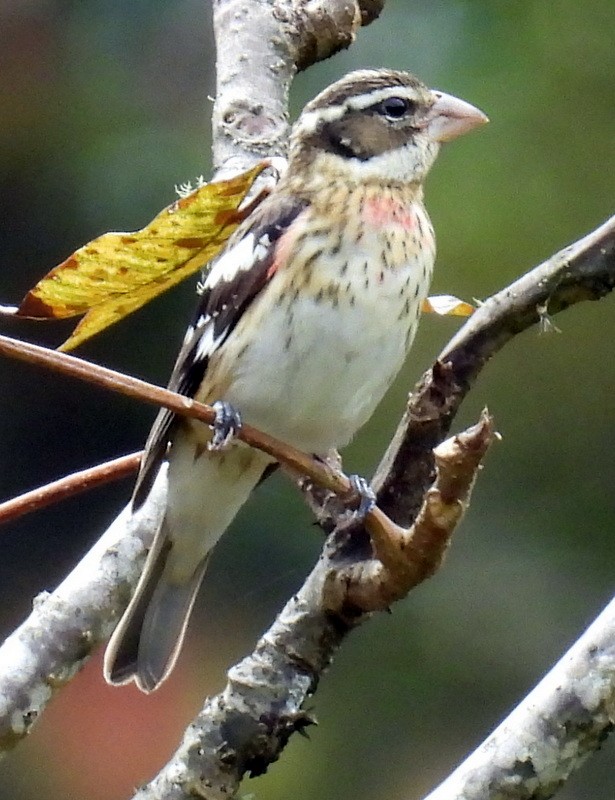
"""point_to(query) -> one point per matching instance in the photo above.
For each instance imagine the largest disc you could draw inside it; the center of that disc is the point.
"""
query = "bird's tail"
(147, 641)
(206, 490)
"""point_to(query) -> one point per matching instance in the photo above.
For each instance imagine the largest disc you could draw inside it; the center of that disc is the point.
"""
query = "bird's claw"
(226, 425)
(367, 497)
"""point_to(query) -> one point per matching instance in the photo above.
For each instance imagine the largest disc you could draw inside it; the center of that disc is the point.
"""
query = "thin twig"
(106, 378)
(68, 486)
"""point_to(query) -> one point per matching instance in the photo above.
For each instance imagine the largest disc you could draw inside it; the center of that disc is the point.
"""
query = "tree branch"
(552, 732)
(68, 486)
(50, 647)
(249, 724)
(584, 270)
(271, 40)
(245, 728)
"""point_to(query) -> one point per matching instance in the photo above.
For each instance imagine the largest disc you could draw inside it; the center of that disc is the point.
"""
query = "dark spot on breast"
(312, 258)
(336, 247)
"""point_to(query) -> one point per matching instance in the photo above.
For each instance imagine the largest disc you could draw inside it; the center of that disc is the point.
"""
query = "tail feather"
(145, 645)
(205, 492)
(164, 627)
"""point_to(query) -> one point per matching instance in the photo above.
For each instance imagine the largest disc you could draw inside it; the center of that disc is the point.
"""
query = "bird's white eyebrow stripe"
(310, 120)
(377, 96)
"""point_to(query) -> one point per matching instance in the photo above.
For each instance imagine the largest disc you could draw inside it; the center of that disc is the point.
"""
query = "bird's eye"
(394, 107)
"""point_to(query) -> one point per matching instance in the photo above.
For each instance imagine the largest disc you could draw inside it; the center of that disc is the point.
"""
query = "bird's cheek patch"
(385, 212)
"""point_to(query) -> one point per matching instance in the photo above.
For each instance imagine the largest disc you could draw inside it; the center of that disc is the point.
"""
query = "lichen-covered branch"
(553, 730)
(286, 665)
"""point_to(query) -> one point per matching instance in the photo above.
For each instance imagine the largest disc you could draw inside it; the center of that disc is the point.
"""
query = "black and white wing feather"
(235, 278)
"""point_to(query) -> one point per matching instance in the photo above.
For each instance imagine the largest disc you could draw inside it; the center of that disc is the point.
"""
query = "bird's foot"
(226, 425)
(367, 497)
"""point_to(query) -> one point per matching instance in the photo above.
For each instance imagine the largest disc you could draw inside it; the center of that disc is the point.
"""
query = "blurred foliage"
(104, 110)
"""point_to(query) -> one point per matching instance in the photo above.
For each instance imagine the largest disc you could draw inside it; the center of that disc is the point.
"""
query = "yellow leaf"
(447, 305)
(117, 273)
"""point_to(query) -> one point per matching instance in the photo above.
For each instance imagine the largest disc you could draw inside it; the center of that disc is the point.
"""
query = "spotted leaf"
(117, 273)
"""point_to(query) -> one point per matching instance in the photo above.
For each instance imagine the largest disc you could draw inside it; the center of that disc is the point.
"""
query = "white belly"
(314, 376)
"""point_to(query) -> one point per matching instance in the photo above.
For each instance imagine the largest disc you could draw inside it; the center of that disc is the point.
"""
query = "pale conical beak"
(450, 117)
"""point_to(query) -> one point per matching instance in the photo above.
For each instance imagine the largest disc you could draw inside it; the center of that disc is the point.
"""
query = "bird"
(303, 321)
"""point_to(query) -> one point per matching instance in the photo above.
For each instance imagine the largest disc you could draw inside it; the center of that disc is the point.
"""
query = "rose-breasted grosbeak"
(304, 320)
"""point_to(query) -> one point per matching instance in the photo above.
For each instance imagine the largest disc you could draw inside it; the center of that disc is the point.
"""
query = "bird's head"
(379, 125)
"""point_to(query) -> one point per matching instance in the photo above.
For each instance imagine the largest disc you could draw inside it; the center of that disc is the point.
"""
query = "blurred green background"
(103, 109)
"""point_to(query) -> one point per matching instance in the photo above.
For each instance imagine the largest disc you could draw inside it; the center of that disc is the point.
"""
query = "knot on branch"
(251, 745)
(401, 558)
(254, 126)
(319, 29)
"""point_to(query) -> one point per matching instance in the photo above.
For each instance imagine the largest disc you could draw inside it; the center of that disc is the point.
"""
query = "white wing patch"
(239, 258)
(207, 344)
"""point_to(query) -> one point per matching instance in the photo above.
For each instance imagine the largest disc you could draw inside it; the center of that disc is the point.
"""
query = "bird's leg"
(367, 497)
(226, 425)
